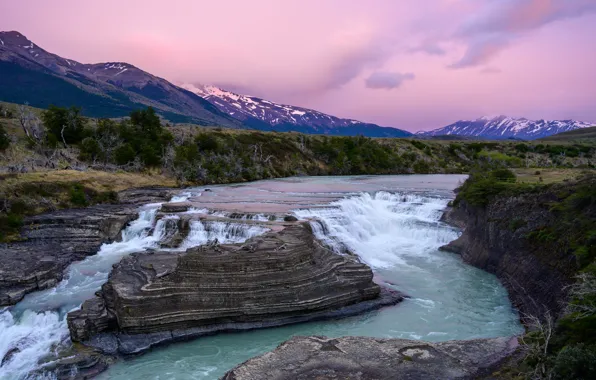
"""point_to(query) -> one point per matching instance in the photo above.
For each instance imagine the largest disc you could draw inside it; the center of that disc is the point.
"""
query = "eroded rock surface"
(275, 279)
(363, 358)
(52, 241)
(495, 239)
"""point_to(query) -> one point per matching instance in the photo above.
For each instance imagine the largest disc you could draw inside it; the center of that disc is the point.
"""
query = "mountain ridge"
(108, 89)
(503, 127)
(264, 114)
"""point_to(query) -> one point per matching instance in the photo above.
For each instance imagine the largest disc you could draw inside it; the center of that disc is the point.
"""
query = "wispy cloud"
(387, 80)
(500, 22)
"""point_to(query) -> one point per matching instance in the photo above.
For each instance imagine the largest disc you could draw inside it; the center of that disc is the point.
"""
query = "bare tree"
(30, 123)
(583, 295)
(537, 342)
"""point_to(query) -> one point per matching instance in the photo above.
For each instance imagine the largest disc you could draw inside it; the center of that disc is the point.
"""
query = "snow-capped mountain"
(34, 75)
(503, 127)
(263, 114)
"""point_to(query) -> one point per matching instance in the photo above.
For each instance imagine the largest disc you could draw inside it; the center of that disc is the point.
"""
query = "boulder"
(364, 358)
(282, 277)
(175, 207)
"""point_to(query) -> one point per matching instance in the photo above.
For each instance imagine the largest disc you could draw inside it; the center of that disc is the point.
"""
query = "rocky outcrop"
(360, 358)
(52, 241)
(497, 238)
(278, 278)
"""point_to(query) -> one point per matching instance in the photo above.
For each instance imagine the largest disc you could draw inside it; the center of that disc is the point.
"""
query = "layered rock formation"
(360, 358)
(496, 239)
(53, 240)
(275, 279)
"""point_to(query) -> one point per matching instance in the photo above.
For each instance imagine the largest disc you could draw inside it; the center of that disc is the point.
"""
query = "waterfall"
(382, 227)
(225, 233)
(36, 326)
(32, 329)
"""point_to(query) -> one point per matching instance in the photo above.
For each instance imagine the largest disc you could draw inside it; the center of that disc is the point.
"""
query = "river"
(391, 222)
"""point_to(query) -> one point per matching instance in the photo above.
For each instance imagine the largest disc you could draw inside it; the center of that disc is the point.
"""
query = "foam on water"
(224, 233)
(397, 233)
(382, 227)
(36, 326)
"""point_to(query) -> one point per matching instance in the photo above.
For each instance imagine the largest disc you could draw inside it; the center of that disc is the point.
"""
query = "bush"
(4, 139)
(505, 175)
(77, 196)
(64, 122)
(89, 149)
(124, 154)
(575, 362)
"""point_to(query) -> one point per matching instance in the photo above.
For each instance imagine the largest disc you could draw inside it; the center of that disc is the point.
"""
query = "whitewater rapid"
(392, 223)
(36, 327)
(382, 228)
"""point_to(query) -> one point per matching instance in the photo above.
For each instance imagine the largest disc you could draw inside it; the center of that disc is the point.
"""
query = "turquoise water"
(392, 223)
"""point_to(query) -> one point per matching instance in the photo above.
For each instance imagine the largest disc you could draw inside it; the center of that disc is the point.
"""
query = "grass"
(546, 176)
(37, 192)
(92, 179)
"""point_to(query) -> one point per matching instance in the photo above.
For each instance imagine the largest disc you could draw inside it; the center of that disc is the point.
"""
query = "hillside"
(32, 75)
(263, 114)
(585, 135)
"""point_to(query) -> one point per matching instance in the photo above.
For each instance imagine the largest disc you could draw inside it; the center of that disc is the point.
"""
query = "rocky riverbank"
(363, 358)
(52, 241)
(502, 237)
(275, 279)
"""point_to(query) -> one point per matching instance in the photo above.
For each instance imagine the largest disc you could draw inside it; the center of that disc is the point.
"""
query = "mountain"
(503, 127)
(584, 135)
(262, 114)
(31, 74)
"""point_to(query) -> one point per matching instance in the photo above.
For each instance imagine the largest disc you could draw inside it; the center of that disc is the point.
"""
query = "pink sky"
(414, 65)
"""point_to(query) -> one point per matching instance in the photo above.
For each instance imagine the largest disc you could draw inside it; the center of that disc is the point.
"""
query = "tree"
(30, 123)
(65, 124)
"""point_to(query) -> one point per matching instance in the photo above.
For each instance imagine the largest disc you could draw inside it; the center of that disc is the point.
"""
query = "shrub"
(503, 174)
(77, 195)
(64, 122)
(89, 149)
(124, 154)
(575, 362)
(4, 139)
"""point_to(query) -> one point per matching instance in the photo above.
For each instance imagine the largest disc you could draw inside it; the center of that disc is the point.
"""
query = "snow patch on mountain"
(503, 127)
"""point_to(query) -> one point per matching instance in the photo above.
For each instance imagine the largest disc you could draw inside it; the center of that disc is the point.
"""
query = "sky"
(410, 64)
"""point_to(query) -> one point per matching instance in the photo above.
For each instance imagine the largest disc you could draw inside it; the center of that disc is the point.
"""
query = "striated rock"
(175, 207)
(495, 240)
(286, 277)
(52, 241)
(363, 358)
(144, 195)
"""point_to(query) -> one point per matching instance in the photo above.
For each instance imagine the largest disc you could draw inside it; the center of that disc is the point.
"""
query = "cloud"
(429, 47)
(387, 80)
(500, 22)
(481, 50)
(349, 53)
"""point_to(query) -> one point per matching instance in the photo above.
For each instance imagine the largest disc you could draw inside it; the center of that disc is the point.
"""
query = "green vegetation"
(32, 193)
(61, 139)
(4, 139)
(565, 348)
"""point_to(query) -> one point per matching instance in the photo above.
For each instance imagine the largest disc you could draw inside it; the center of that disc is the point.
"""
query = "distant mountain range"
(503, 127)
(113, 89)
(258, 113)
(31, 74)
